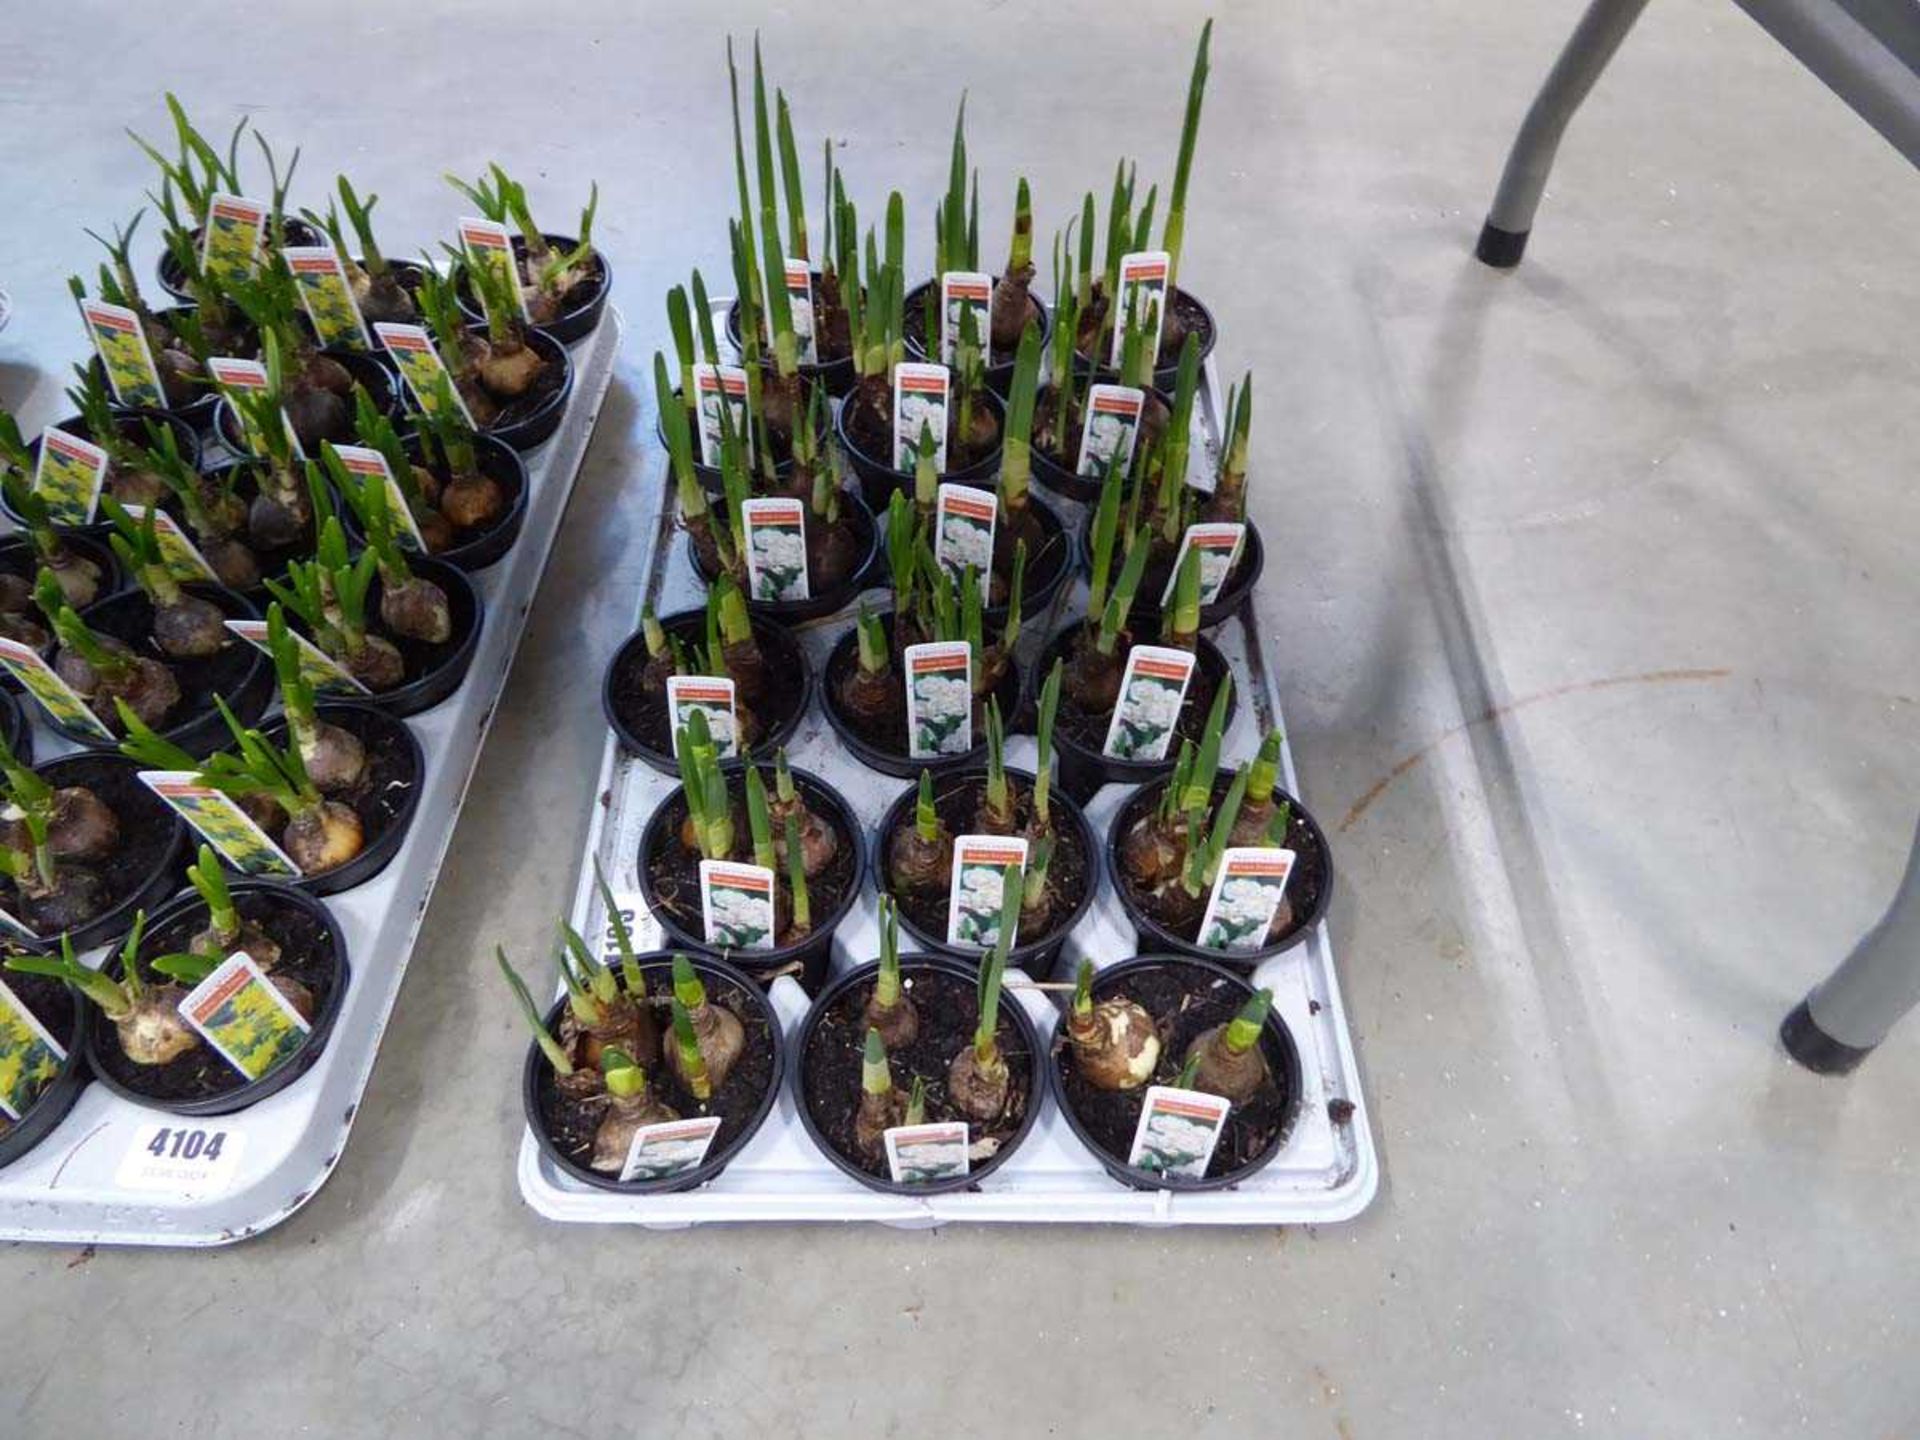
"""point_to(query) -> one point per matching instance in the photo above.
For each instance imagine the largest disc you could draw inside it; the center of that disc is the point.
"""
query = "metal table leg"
(1503, 239)
(1851, 1011)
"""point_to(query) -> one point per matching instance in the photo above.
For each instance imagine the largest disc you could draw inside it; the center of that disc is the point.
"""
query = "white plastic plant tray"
(73, 1187)
(1325, 1172)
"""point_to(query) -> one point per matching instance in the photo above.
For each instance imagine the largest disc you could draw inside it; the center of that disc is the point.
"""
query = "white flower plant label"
(736, 904)
(1219, 545)
(714, 386)
(1178, 1131)
(963, 524)
(939, 682)
(799, 277)
(713, 696)
(977, 887)
(1246, 895)
(923, 1154)
(1112, 427)
(776, 527)
(671, 1147)
(919, 402)
(1152, 691)
(1143, 283)
(964, 292)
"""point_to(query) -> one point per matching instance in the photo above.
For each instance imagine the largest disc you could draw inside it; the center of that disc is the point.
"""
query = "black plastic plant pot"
(640, 720)
(1185, 997)
(18, 557)
(676, 905)
(144, 868)
(883, 747)
(1166, 374)
(866, 544)
(709, 475)
(200, 1082)
(386, 800)
(836, 375)
(1055, 474)
(744, 1101)
(1309, 887)
(955, 797)
(832, 1036)
(236, 671)
(1080, 737)
(879, 480)
(369, 372)
(173, 280)
(528, 423)
(131, 424)
(580, 308)
(433, 671)
(69, 1019)
(1147, 609)
(13, 724)
(1000, 372)
(475, 549)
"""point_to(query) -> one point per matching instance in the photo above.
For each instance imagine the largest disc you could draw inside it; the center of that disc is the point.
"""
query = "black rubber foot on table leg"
(1499, 248)
(1814, 1048)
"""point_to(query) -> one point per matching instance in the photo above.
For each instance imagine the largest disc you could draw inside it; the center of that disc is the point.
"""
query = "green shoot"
(916, 1113)
(634, 980)
(1016, 464)
(999, 795)
(1106, 530)
(926, 819)
(550, 1047)
(1182, 622)
(797, 877)
(1113, 620)
(758, 821)
(693, 1065)
(211, 881)
(1266, 767)
(1175, 231)
(116, 998)
(1203, 861)
(1043, 762)
(886, 985)
(876, 1078)
(986, 1049)
(1243, 1031)
(1189, 1072)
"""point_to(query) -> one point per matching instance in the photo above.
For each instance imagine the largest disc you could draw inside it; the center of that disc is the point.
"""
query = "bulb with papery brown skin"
(226, 511)
(149, 689)
(279, 522)
(818, 841)
(916, 863)
(324, 838)
(264, 811)
(417, 609)
(335, 758)
(831, 553)
(427, 482)
(1116, 1046)
(296, 995)
(384, 300)
(898, 1023)
(978, 1091)
(472, 501)
(319, 415)
(1151, 852)
(871, 696)
(233, 562)
(747, 668)
(152, 1032)
(82, 826)
(77, 576)
(722, 1039)
(190, 628)
(511, 369)
(1175, 908)
(877, 1115)
(377, 664)
(1092, 678)
(248, 937)
(1236, 1076)
(479, 401)
(436, 531)
(613, 1137)
(136, 485)
(78, 672)
(22, 631)
(16, 594)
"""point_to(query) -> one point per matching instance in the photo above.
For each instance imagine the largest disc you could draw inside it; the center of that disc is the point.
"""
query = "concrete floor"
(1597, 611)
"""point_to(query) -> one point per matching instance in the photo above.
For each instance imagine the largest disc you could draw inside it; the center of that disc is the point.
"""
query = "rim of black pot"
(1009, 1005)
(56, 1097)
(1047, 948)
(201, 731)
(716, 1161)
(793, 612)
(571, 325)
(1000, 372)
(536, 427)
(709, 475)
(249, 1092)
(380, 850)
(1275, 1028)
(369, 373)
(1054, 476)
(496, 459)
(1148, 609)
(813, 954)
(879, 481)
(836, 375)
(901, 766)
(158, 883)
(173, 280)
(1165, 377)
(435, 684)
(1086, 762)
(1151, 931)
(633, 651)
(13, 724)
(129, 420)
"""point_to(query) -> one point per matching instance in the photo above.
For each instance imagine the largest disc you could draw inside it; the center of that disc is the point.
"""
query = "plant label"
(1151, 693)
(243, 1015)
(368, 463)
(964, 294)
(1177, 1132)
(643, 931)
(919, 404)
(420, 365)
(120, 340)
(975, 891)
(232, 373)
(183, 558)
(939, 698)
(1143, 294)
(220, 822)
(715, 386)
(328, 295)
(196, 1162)
(68, 476)
(317, 668)
(963, 532)
(1246, 895)
(29, 1056)
(56, 697)
(489, 246)
(736, 902)
(776, 529)
(1111, 428)
(712, 695)
(1219, 545)
(230, 240)
(799, 277)
(671, 1147)
(922, 1154)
